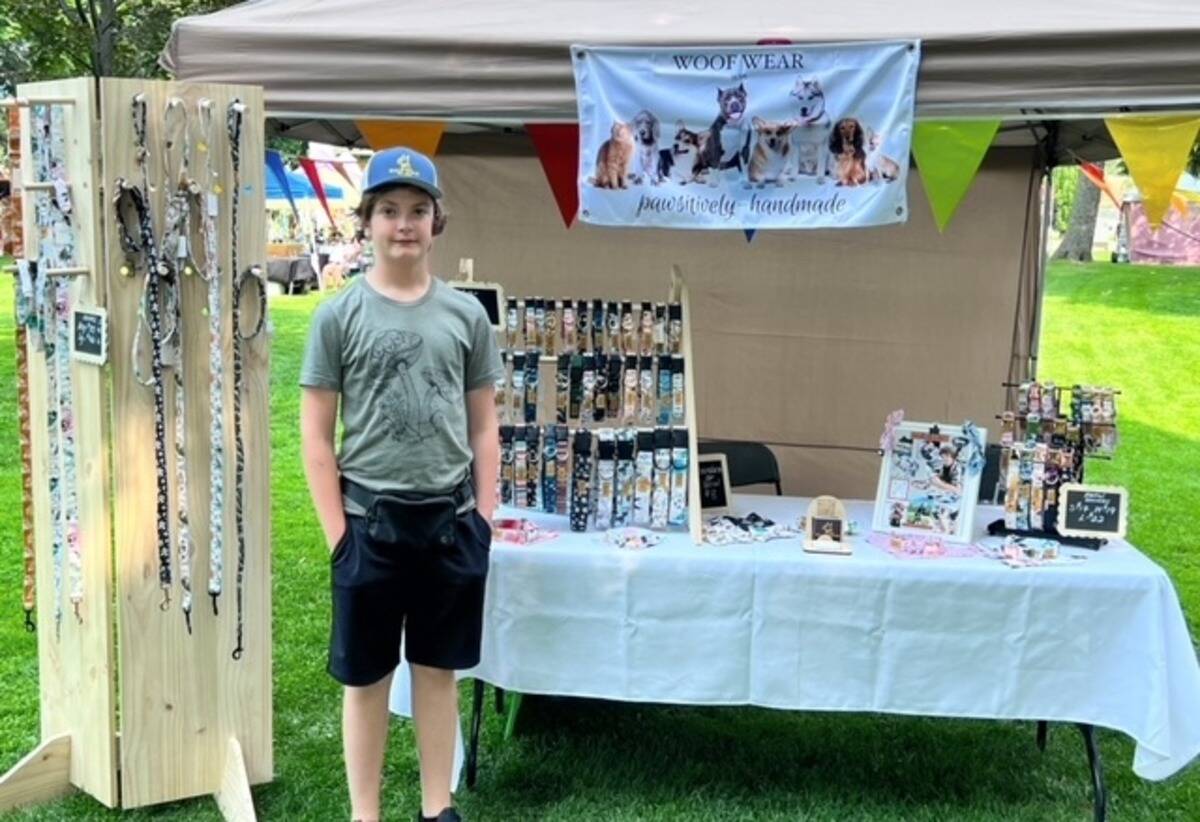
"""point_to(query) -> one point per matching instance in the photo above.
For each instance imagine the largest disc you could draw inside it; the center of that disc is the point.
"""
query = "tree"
(1066, 180)
(105, 38)
(1081, 225)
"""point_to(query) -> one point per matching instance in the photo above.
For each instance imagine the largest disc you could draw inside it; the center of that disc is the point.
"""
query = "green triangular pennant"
(948, 154)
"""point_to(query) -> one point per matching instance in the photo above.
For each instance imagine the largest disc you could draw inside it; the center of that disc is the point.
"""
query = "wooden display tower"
(135, 710)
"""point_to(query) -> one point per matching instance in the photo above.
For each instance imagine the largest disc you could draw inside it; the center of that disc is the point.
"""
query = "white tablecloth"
(1101, 641)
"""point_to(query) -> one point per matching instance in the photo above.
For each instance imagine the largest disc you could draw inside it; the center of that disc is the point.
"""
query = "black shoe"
(447, 815)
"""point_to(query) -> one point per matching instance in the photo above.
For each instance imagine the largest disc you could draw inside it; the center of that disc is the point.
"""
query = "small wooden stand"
(826, 527)
(134, 709)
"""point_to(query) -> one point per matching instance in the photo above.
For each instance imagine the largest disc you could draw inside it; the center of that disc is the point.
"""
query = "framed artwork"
(929, 481)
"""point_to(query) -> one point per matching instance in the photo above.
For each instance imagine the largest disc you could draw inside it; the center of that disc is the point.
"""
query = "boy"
(406, 505)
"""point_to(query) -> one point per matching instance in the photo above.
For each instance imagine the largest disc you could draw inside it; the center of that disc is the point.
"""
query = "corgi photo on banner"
(771, 157)
(681, 163)
(810, 137)
(614, 158)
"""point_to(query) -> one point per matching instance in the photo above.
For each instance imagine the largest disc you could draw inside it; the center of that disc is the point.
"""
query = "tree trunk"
(107, 28)
(1081, 228)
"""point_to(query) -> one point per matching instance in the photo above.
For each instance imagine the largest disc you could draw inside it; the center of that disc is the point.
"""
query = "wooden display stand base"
(135, 708)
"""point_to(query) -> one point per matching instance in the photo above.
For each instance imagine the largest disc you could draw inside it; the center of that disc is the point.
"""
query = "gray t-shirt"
(403, 370)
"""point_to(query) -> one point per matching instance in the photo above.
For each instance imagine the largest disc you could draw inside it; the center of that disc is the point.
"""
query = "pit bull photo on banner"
(756, 137)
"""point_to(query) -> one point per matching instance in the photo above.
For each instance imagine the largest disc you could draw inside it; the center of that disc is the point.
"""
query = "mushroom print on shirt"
(402, 371)
(413, 405)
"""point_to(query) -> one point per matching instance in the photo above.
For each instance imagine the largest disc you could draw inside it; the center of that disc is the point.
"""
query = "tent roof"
(481, 61)
(300, 187)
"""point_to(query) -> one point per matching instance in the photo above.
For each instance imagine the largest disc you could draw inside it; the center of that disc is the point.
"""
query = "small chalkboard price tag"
(89, 335)
(491, 295)
(1094, 511)
(714, 483)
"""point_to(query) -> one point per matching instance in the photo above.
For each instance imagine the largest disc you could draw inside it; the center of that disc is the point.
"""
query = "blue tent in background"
(301, 188)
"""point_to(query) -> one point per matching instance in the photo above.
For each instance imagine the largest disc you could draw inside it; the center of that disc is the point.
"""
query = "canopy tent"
(473, 61)
(300, 187)
(804, 340)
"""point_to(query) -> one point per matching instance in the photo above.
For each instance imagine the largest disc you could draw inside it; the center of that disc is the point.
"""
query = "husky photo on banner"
(745, 137)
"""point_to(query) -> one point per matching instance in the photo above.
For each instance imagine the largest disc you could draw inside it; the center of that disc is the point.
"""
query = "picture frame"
(927, 484)
(826, 529)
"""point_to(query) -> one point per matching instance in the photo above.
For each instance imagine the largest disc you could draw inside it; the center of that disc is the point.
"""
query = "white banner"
(763, 137)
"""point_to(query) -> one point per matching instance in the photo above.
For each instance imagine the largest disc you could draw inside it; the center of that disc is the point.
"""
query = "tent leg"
(1042, 729)
(476, 721)
(44, 774)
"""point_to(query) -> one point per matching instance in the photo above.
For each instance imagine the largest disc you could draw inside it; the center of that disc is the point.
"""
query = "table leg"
(1042, 728)
(1099, 793)
(499, 700)
(476, 720)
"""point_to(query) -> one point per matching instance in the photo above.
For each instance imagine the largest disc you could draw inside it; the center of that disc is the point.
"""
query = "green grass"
(1137, 328)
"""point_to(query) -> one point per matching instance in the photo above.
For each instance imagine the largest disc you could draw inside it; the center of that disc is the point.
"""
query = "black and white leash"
(179, 191)
(209, 190)
(234, 121)
(130, 198)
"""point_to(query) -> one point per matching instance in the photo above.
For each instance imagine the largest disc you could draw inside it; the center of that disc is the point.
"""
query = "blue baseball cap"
(402, 166)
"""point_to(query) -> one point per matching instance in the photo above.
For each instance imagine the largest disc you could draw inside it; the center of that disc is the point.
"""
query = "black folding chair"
(750, 463)
(990, 489)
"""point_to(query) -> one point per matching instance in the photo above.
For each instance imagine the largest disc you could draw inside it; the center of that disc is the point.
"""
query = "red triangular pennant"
(310, 169)
(557, 146)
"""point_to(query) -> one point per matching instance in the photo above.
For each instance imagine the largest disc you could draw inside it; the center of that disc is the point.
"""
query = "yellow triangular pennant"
(948, 154)
(416, 134)
(1156, 150)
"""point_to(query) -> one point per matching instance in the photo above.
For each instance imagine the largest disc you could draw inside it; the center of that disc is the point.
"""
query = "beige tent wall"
(803, 339)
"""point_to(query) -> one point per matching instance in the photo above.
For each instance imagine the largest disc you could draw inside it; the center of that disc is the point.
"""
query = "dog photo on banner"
(762, 137)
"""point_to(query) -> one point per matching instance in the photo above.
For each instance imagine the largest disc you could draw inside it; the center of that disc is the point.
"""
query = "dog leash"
(179, 191)
(25, 317)
(56, 249)
(133, 201)
(209, 190)
(24, 297)
(234, 121)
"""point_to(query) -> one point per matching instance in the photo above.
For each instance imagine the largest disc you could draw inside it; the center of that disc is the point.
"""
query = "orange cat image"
(614, 156)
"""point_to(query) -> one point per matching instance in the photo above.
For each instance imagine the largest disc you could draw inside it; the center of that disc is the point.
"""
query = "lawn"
(1133, 327)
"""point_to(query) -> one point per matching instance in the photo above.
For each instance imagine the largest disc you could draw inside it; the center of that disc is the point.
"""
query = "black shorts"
(433, 595)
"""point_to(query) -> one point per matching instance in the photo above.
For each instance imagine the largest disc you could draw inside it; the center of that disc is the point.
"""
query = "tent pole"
(1043, 257)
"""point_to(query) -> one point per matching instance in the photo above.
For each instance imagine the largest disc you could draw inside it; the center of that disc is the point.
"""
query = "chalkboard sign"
(714, 483)
(89, 335)
(1092, 511)
(491, 295)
